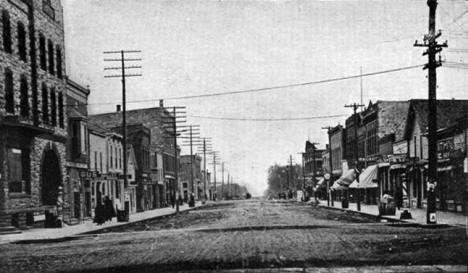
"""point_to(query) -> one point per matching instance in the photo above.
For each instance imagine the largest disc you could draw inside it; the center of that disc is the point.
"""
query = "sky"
(311, 52)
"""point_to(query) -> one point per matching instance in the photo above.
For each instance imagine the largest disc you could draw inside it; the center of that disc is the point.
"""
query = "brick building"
(160, 145)
(191, 176)
(33, 126)
(313, 166)
(377, 127)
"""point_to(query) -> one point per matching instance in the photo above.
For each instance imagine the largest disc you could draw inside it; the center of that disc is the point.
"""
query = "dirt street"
(244, 234)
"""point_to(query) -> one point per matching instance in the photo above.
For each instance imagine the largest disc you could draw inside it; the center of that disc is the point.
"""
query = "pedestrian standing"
(109, 209)
(399, 198)
(99, 218)
(173, 200)
(181, 201)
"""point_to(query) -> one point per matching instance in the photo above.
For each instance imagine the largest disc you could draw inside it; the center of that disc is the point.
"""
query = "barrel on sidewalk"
(122, 216)
(387, 208)
(345, 203)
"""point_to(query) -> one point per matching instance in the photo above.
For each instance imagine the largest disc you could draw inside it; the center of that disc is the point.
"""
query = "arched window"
(50, 49)
(21, 42)
(42, 52)
(24, 98)
(53, 108)
(61, 110)
(59, 62)
(9, 92)
(6, 31)
(45, 104)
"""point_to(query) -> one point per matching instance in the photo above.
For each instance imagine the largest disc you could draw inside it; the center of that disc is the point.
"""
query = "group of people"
(104, 212)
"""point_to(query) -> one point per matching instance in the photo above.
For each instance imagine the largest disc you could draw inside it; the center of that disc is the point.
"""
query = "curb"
(94, 233)
(391, 220)
(124, 224)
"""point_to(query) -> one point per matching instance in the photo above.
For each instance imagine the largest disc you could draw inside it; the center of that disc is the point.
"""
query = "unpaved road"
(244, 234)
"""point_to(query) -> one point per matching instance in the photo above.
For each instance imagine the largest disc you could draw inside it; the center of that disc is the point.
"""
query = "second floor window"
(95, 161)
(111, 157)
(24, 100)
(6, 31)
(79, 132)
(120, 158)
(84, 138)
(53, 108)
(45, 104)
(116, 159)
(59, 62)
(9, 92)
(50, 49)
(42, 52)
(60, 110)
(100, 161)
(21, 42)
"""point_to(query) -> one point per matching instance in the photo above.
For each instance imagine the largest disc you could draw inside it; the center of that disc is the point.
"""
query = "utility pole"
(303, 174)
(432, 49)
(222, 180)
(314, 171)
(123, 76)
(174, 133)
(229, 186)
(356, 155)
(215, 162)
(204, 148)
(190, 137)
(291, 167)
(329, 181)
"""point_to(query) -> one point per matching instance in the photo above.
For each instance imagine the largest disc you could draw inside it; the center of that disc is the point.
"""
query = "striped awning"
(366, 178)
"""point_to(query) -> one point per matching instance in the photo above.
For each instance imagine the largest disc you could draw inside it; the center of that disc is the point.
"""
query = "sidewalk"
(418, 215)
(88, 226)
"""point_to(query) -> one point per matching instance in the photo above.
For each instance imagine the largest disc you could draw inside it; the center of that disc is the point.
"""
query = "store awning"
(366, 178)
(337, 187)
(347, 178)
(321, 184)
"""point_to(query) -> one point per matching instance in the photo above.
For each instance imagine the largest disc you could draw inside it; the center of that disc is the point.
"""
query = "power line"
(271, 88)
(267, 119)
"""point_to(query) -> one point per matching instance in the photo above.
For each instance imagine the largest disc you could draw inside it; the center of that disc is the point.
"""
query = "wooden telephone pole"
(329, 181)
(123, 76)
(357, 171)
(430, 41)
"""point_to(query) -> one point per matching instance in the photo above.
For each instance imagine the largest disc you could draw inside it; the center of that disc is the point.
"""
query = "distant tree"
(278, 180)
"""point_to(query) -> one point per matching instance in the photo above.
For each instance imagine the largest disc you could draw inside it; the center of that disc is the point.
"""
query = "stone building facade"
(33, 125)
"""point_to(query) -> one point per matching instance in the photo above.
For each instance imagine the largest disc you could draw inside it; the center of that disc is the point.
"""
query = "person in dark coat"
(99, 218)
(181, 201)
(399, 198)
(109, 211)
(173, 201)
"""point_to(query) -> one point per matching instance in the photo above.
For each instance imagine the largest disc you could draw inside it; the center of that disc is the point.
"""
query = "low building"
(77, 153)
(190, 176)
(450, 115)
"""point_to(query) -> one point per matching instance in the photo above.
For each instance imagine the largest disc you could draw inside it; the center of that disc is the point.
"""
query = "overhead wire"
(269, 88)
(268, 119)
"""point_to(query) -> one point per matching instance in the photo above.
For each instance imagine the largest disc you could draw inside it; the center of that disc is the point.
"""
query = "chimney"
(161, 103)
(118, 108)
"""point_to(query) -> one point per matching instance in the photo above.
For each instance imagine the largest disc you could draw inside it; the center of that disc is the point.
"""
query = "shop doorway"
(51, 179)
